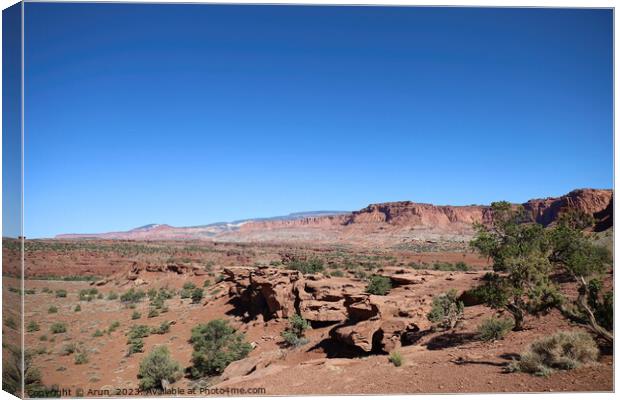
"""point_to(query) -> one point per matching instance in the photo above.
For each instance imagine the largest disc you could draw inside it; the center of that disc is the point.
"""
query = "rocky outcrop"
(363, 320)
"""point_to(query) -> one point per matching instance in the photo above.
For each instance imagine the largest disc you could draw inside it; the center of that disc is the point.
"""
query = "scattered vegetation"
(197, 295)
(52, 310)
(441, 266)
(81, 358)
(98, 333)
(112, 296)
(396, 358)
(379, 285)
(310, 266)
(136, 315)
(88, 294)
(58, 327)
(33, 327)
(153, 313)
(158, 367)
(135, 346)
(293, 335)
(113, 326)
(446, 310)
(68, 349)
(77, 308)
(163, 328)
(562, 351)
(216, 344)
(494, 328)
(61, 293)
(10, 323)
(132, 296)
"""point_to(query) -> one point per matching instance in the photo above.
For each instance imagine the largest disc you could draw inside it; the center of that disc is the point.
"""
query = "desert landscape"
(386, 299)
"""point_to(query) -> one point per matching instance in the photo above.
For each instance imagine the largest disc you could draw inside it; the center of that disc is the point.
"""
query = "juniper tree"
(520, 252)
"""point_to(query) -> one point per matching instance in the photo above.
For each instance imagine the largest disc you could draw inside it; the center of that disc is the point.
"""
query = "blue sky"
(190, 114)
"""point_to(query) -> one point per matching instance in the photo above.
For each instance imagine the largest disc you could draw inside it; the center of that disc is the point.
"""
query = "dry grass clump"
(562, 351)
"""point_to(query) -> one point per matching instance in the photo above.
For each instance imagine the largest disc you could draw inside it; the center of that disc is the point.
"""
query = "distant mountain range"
(378, 224)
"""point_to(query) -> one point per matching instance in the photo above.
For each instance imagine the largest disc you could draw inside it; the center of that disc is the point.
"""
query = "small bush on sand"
(163, 328)
(396, 358)
(216, 344)
(88, 294)
(135, 346)
(446, 310)
(33, 327)
(562, 351)
(52, 310)
(68, 348)
(138, 332)
(132, 296)
(379, 285)
(113, 326)
(206, 283)
(152, 313)
(61, 293)
(112, 296)
(43, 338)
(197, 295)
(136, 315)
(311, 266)
(189, 285)
(77, 308)
(157, 368)
(495, 328)
(98, 333)
(81, 358)
(58, 327)
(293, 335)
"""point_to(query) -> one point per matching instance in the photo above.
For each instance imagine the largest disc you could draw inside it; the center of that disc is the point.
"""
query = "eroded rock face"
(366, 321)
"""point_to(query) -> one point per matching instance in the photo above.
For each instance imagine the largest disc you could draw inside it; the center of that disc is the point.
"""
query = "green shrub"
(136, 315)
(379, 285)
(185, 293)
(112, 296)
(68, 348)
(189, 286)
(58, 327)
(46, 290)
(135, 346)
(88, 294)
(157, 302)
(562, 351)
(81, 358)
(132, 296)
(495, 328)
(197, 295)
(10, 322)
(77, 308)
(52, 310)
(152, 313)
(163, 328)
(156, 367)
(113, 326)
(310, 266)
(61, 293)
(33, 327)
(216, 344)
(98, 333)
(396, 358)
(293, 335)
(138, 332)
(43, 338)
(446, 310)
(206, 283)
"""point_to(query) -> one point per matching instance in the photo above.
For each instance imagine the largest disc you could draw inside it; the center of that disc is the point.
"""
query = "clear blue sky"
(191, 114)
